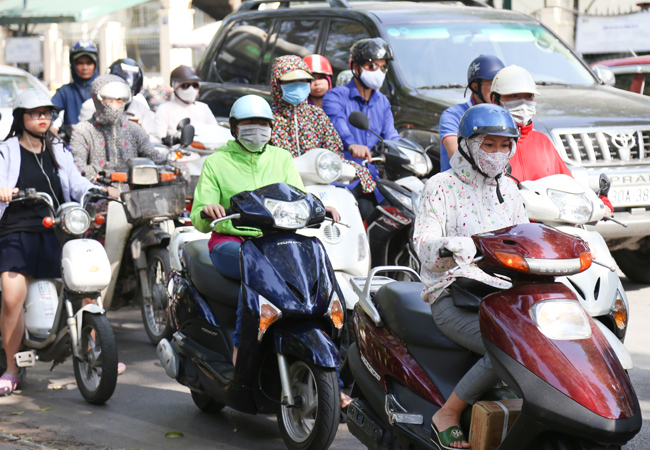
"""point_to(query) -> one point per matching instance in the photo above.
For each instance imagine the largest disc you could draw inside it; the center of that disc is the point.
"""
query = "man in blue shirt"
(480, 74)
(369, 63)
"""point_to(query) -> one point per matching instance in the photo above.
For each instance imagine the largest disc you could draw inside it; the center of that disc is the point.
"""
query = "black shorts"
(35, 254)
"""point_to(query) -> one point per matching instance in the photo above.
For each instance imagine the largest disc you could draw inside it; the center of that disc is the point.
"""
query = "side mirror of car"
(605, 74)
(183, 123)
(187, 135)
(603, 185)
(359, 120)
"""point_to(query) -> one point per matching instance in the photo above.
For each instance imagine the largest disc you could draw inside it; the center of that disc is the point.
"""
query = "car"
(596, 128)
(631, 73)
(13, 82)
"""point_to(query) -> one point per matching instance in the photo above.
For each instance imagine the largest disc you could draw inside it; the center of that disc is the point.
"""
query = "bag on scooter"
(467, 293)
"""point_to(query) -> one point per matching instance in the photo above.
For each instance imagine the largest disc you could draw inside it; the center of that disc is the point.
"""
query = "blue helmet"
(250, 107)
(484, 67)
(487, 118)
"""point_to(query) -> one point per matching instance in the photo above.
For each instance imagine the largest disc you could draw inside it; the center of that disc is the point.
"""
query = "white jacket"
(170, 113)
(456, 204)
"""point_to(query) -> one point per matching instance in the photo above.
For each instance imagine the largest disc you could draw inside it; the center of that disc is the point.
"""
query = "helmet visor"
(115, 90)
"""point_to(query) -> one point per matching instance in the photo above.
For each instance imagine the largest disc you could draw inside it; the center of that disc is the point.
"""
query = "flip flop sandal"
(9, 382)
(443, 439)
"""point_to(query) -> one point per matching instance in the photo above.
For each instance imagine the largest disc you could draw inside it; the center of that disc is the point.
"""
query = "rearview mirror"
(359, 120)
(187, 135)
(605, 74)
(603, 185)
(182, 123)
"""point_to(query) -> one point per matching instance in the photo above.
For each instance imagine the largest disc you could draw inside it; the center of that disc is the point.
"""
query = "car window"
(342, 34)
(240, 52)
(435, 55)
(11, 86)
(290, 37)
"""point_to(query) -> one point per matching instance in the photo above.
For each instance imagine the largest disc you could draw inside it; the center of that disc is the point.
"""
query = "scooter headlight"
(144, 175)
(288, 215)
(336, 312)
(420, 163)
(269, 313)
(561, 320)
(574, 208)
(75, 221)
(329, 166)
(401, 197)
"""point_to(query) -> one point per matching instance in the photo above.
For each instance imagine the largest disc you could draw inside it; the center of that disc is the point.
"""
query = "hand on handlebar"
(214, 211)
(111, 192)
(360, 151)
(6, 193)
(336, 217)
(462, 249)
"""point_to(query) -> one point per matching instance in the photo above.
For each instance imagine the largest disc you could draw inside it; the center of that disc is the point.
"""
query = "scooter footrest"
(363, 424)
(25, 359)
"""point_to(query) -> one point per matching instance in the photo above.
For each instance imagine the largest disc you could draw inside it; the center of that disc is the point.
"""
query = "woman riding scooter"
(472, 197)
(30, 157)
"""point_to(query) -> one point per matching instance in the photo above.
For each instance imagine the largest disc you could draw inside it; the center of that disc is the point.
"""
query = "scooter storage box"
(40, 307)
(85, 266)
(491, 421)
(167, 201)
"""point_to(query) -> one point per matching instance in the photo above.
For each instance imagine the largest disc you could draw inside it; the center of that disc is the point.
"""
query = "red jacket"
(536, 156)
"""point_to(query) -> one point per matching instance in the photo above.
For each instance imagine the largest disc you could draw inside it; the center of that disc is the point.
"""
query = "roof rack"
(253, 5)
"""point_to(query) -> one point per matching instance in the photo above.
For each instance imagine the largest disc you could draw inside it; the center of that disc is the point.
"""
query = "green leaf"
(174, 434)
(47, 408)
(16, 413)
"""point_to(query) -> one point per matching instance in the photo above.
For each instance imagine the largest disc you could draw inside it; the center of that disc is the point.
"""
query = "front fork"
(287, 397)
(75, 321)
(140, 263)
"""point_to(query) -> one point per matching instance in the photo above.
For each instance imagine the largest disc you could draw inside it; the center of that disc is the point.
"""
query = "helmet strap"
(41, 137)
(476, 92)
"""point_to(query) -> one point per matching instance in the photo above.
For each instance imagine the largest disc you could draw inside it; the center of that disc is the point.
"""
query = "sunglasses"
(35, 115)
(187, 85)
(374, 66)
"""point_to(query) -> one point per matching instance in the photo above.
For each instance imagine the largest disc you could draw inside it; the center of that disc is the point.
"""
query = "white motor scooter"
(346, 242)
(562, 202)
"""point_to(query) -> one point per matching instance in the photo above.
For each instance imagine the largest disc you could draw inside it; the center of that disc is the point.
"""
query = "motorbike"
(136, 233)
(292, 315)
(401, 163)
(542, 344)
(318, 168)
(563, 203)
(57, 324)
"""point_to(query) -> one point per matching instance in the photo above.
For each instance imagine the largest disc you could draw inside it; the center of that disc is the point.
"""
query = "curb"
(12, 440)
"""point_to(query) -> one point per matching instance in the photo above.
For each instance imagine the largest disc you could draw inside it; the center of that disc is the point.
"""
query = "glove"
(463, 249)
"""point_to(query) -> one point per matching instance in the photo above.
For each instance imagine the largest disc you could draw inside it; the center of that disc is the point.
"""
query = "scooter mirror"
(183, 123)
(359, 120)
(187, 135)
(604, 185)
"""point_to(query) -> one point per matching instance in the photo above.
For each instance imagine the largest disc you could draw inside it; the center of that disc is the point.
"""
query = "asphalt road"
(147, 404)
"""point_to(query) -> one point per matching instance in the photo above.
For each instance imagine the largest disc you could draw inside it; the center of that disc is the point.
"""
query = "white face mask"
(188, 95)
(522, 110)
(373, 79)
(254, 137)
(492, 164)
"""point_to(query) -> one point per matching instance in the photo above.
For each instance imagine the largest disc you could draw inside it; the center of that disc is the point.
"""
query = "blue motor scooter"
(292, 313)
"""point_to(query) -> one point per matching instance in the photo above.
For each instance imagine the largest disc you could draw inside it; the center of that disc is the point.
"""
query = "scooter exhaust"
(168, 358)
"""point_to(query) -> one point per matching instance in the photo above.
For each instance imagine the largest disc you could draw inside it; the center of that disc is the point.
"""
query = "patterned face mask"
(492, 164)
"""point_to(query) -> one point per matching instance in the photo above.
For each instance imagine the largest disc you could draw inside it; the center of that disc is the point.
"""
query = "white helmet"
(514, 80)
(33, 98)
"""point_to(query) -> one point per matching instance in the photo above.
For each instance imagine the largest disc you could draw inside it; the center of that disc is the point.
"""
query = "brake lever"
(623, 224)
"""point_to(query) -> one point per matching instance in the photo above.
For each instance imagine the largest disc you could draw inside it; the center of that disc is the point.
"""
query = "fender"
(305, 341)
(150, 236)
(90, 308)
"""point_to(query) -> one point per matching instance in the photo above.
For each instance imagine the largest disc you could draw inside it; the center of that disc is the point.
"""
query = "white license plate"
(629, 196)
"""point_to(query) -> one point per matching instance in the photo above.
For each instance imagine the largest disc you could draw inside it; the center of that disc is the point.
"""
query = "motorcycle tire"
(96, 368)
(635, 264)
(346, 340)
(312, 423)
(155, 315)
(205, 403)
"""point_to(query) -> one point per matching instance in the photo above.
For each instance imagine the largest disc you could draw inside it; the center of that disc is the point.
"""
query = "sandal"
(9, 382)
(443, 439)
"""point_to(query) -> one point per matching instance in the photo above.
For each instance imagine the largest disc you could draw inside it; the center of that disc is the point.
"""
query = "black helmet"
(83, 48)
(182, 74)
(129, 71)
(366, 50)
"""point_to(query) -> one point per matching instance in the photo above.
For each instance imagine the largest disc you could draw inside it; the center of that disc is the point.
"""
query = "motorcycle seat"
(208, 280)
(409, 317)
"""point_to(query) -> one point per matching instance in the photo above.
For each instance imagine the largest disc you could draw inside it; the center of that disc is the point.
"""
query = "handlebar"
(444, 252)
(623, 224)
(221, 219)
(31, 194)
(381, 159)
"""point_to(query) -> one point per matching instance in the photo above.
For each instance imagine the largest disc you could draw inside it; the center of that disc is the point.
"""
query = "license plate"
(629, 196)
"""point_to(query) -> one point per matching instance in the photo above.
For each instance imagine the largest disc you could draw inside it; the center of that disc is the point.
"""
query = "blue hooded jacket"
(71, 96)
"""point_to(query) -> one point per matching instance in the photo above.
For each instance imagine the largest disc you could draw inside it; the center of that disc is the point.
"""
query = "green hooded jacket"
(231, 170)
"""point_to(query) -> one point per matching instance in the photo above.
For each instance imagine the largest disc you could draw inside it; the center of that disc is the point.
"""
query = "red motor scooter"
(576, 395)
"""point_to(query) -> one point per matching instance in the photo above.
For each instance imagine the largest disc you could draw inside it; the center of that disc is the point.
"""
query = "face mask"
(492, 164)
(295, 93)
(254, 137)
(522, 110)
(373, 79)
(106, 115)
(187, 95)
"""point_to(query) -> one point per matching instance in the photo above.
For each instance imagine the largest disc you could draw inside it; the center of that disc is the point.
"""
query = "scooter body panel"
(585, 363)
(306, 342)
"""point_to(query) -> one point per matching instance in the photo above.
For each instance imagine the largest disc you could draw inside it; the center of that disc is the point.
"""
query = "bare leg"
(12, 320)
(449, 416)
(234, 355)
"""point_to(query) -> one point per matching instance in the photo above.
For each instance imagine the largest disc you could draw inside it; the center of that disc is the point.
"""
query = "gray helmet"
(182, 74)
(33, 98)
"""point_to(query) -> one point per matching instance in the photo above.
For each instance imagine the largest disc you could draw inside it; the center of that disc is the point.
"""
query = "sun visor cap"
(296, 75)
(115, 90)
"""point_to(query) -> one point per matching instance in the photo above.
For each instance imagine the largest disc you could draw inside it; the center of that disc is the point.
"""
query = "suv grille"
(589, 147)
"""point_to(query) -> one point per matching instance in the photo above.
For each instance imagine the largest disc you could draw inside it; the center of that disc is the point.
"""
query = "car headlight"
(561, 320)
(288, 215)
(404, 199)
(574, 208)
(75, 221)
(420, 163)
(335, 311)
(329, 166)
(144, 175)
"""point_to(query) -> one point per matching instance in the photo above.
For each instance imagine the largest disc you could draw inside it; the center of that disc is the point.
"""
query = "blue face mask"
(295, 93)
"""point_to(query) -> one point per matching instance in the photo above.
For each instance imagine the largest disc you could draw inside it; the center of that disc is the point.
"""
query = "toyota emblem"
(624, 143)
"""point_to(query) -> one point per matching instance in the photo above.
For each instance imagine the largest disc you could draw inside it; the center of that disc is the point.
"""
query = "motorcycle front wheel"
(312, 422)
(155, 314)
(96, 367)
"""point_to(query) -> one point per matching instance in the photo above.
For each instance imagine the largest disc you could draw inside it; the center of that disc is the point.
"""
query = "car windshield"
(437, 55)
(11, 86)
